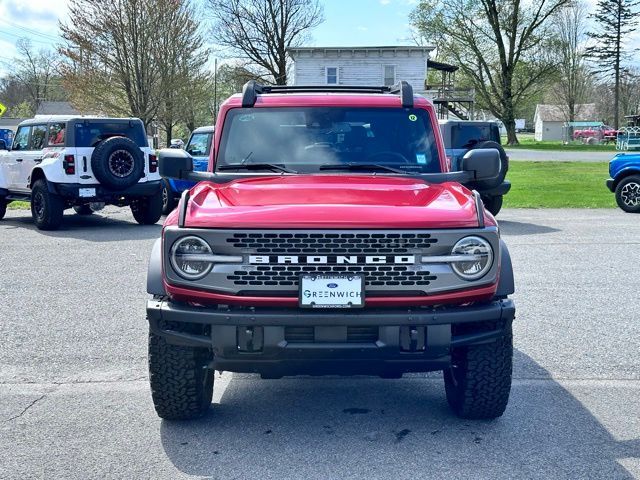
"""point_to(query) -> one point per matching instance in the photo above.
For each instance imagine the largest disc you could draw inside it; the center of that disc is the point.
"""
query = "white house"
(360, 65)
(549, 120)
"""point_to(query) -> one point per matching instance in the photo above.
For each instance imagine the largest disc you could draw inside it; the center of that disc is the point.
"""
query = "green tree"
(615, 20)
(502, 47)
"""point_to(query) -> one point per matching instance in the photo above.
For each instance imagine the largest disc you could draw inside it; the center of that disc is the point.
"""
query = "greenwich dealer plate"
(331, 291)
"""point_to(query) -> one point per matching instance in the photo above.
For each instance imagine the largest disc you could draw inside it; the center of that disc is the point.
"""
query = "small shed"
(549, 120)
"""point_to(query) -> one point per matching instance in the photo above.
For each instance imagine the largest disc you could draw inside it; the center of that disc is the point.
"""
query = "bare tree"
(574, 79)
(180, 59)
(262, 30)
(502, 47)
(110, 51)
(37, 72)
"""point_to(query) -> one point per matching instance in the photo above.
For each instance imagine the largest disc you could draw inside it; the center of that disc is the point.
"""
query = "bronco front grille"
(332, 243)
(375, 275)
(353, 334)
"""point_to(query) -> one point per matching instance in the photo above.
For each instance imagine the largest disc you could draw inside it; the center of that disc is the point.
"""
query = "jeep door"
(15, 159)
(33, 155)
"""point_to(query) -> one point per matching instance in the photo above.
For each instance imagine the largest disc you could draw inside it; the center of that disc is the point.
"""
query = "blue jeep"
(624, 169)
(198, 147)
(459, 137)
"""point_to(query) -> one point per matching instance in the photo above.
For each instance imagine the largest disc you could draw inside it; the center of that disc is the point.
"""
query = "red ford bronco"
(329, 237)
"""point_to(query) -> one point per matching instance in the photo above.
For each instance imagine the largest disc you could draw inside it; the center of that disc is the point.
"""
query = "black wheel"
(168, 199)
(181, 382)
(46, 208)
(83, 209)
(147, 210)
(3, 208)
(478, 382)
(628, 194)
(504, 166)
(118, 163)
(493, 204)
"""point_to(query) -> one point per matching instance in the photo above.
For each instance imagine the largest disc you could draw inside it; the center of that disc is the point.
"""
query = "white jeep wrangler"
(59, 162)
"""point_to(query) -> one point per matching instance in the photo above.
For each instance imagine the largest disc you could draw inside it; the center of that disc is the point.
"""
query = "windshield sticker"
(421, 158)
(247, 117)
(413, 117)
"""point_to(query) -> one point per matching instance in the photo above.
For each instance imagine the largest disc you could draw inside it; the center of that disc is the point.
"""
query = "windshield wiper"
(256, 166)
(360, 166)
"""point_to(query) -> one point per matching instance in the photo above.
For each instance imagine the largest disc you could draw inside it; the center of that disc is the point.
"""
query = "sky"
(347, 23)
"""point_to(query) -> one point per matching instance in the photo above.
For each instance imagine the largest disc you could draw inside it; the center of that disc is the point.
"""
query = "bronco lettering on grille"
(332, 259)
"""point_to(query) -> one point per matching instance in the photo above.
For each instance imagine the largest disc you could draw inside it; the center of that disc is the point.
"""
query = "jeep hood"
(330, 201)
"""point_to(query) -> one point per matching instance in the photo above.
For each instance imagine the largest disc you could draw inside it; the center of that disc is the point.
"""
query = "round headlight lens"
(480, 258)
(185, 261)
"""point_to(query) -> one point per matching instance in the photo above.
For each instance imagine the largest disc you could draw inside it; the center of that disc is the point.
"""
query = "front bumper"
(260, 340)
(72, 191)
(610, 184)
(501, 189)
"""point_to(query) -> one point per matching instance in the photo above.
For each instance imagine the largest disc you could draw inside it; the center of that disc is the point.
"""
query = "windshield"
(312, 139)
(199, 144)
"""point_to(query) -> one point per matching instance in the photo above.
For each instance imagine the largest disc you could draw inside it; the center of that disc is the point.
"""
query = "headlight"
(191, 257)
(480, 256)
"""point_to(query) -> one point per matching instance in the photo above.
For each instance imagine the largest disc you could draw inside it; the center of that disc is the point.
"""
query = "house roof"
(557, 113)
(56, 108)
(386, 48)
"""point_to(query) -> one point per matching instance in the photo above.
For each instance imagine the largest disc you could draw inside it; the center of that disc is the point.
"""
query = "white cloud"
(385, 2)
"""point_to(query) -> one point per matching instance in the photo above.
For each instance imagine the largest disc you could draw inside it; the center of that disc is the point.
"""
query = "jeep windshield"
(335, 140)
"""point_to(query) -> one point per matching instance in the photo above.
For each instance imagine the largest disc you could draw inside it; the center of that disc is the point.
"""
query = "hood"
(330, 201)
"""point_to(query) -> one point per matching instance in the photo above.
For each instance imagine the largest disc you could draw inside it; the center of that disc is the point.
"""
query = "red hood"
(330, 201)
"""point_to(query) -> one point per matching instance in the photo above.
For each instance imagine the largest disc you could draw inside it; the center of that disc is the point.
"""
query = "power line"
(31, 31)
(22, 36)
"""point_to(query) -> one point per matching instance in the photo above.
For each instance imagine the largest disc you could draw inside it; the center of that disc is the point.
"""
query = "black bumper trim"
(71, 190)
(610, 182)
(162, 310)
(501, 189)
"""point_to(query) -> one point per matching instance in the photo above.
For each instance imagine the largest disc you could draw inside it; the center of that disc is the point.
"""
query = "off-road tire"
(47, 208)
(83, 209)
(181, 383)
(493, 204)
(504, 166)
(117, 162)
(168, 199)
(628, 194)
(479, 381)
(147, 210)
(3, 208)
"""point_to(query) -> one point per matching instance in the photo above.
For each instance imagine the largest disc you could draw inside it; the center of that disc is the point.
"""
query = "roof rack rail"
(252, 89)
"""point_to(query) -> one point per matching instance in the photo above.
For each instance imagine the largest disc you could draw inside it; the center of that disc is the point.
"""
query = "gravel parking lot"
(75, 402)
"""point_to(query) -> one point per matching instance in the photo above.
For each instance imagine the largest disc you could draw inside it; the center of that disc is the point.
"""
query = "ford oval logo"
(332, 285)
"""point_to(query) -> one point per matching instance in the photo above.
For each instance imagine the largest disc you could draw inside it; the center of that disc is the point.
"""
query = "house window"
(332, 75)
(389, 75)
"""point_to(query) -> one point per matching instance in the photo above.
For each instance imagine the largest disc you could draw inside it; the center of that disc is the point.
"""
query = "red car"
(329, 237)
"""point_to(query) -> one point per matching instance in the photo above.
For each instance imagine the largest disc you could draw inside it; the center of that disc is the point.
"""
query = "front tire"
(47, 208)
(168, 199)
(493, 204)
(147, 210)
(3, 208)
(628, 194)
(478, 382)
(83, 209)
(181, 382)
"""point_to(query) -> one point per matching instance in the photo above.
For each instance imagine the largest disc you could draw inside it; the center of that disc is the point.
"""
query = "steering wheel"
(389, 153)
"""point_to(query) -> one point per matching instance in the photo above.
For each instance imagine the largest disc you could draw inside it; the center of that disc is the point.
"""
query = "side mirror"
(178, 164)
(3, 145)
(482, 163)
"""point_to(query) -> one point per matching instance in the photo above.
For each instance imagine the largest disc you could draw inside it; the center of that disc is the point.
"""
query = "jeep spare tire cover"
(118, 163)
(504, 166)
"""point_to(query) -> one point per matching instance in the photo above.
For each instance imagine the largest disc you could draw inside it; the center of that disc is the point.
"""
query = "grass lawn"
(18, 206)
(558, 185)
(543, 185)
(527, 142)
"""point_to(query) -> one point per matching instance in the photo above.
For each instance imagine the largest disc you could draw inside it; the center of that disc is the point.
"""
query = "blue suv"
(624, 169)
(199, 147)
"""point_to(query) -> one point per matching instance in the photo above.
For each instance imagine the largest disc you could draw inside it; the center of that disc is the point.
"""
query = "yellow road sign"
(2, 109)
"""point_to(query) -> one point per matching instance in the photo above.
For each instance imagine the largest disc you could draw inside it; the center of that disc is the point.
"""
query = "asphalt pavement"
(75, 401)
